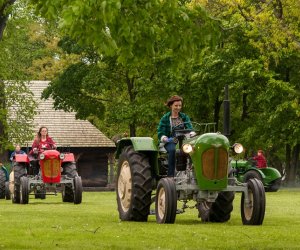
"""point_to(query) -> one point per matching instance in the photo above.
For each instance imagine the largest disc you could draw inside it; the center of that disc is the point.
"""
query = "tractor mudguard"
(22, 158)
(259, 170)
(144, 145)
(139, 144)
(69, 157)
(270, 173)
(2, 168)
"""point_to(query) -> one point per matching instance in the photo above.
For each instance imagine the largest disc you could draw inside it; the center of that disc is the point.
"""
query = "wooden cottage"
(93, 150)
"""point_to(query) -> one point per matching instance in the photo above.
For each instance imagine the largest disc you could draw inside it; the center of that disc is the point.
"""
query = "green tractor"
(203, 176)
(246, 169)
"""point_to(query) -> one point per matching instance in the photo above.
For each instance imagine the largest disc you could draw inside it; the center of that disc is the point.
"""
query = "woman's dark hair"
(174, 98)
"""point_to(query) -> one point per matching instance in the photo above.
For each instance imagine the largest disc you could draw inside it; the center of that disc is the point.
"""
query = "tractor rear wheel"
(252, 174)
(67, 193)
(134, 186)
(166, 201)
(77, 190)
(24, 191)
(218, 211)
(7, 191)
(253, 211)
(2, 183)
(18, 171)
(275, 185)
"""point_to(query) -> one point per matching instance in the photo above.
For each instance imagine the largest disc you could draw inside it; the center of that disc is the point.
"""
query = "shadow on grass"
(46, 203)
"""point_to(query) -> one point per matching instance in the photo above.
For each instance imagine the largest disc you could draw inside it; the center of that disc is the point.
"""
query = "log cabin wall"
(92, 165)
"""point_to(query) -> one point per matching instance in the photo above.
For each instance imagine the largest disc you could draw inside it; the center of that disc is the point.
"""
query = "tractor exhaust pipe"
(226, 103)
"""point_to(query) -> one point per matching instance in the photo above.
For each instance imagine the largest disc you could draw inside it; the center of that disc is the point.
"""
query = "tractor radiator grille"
(52, 168)
(214, 162)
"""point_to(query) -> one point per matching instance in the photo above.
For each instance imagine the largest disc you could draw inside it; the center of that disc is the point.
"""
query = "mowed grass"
(95, 224)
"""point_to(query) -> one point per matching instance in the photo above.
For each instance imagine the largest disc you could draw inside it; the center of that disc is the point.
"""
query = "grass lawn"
(94, 224)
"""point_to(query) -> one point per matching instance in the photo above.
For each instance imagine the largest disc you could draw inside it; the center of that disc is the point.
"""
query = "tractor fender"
(4, 169)
(271, 173)
(21, 158)
(259, 170)
(69, 157)
(139, 144)
(144, 145)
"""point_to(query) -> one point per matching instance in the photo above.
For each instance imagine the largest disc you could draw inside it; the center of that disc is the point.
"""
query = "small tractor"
(246, 169)
(48, 172)
(204, 177)
(3, 182)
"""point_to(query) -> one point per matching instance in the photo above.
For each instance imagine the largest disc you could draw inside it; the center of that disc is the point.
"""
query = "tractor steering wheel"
(181, 133)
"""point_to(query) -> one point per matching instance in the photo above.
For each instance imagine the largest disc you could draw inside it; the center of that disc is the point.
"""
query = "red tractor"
(48, 172)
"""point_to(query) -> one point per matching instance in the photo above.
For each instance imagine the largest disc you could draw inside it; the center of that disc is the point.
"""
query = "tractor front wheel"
(24, 191)
(218, 211)
(134, 185)
(77, 190)
(18, 171)
(166, 201)
(253, 209)
(67, 193)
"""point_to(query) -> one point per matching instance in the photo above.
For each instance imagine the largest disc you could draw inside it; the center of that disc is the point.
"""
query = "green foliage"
(20, 106)
(137, 32)
(69, 91)
(17, 103)
(261, 52)
(138, 42)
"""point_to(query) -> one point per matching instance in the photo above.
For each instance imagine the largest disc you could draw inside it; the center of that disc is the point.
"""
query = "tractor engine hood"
(210, 160)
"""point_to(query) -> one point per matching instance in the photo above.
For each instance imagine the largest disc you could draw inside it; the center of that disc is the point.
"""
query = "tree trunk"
(294, 163)
(132, 96)
(245, 106)
(289, 175)
(132, 130)
(4, 15)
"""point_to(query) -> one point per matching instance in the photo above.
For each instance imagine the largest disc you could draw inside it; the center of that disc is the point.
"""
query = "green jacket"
(164, 126)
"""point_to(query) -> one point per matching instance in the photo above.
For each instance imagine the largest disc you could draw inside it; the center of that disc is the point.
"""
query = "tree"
(270, 103)
(136, 42)
(4, 13)
(136, 32)
(17, 106)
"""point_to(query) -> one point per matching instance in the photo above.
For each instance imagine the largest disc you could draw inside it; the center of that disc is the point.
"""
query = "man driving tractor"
(260, 159)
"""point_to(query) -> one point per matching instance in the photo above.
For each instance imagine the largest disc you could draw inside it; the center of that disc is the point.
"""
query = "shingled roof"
(63, 127)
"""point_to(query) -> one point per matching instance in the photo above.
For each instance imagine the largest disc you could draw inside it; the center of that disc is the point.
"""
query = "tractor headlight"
(42, 156)
(62, 156)
(187, 148)
(238, 148)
